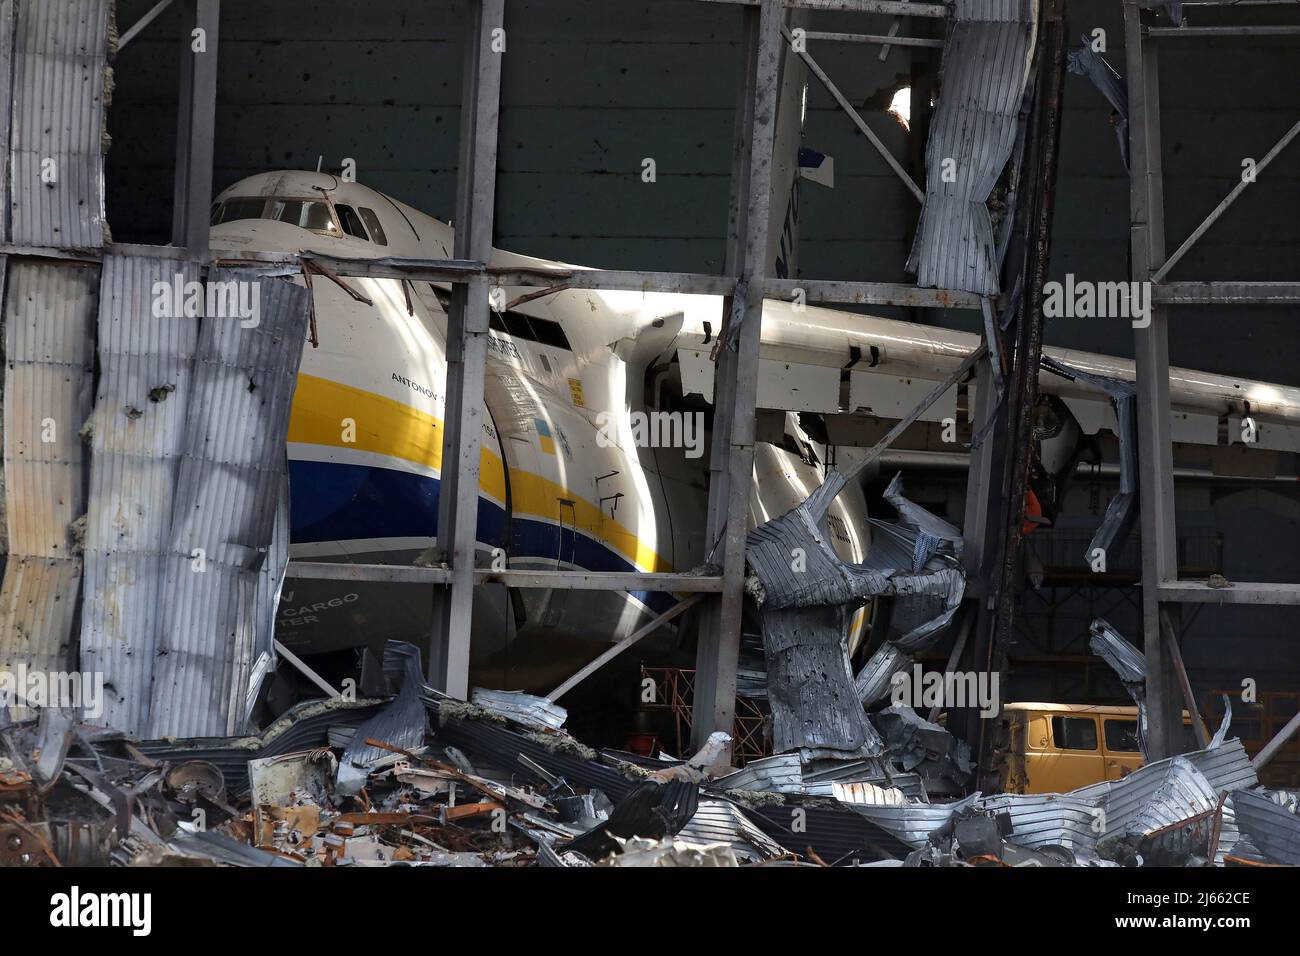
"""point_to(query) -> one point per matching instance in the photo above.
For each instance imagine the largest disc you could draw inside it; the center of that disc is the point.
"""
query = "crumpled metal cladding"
(1128, 663)
(403, 723)
(1086, 61)
(808, 596)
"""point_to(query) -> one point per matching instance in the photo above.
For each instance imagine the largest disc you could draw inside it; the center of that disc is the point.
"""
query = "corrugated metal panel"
(48, 336)
(137, 435)
(1225, 768)
(1044, 819)
(1183, 794)
(1270, 826)
(717, 821)
(229, 486)
(912, 823)
(875, 680)
(59, 78)
(6, 101)
(985, 64)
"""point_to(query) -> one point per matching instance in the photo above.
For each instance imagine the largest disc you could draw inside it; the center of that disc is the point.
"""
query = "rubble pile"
(419, 779)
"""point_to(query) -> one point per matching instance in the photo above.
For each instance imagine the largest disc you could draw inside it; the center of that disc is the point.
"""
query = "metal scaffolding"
(1163, 592)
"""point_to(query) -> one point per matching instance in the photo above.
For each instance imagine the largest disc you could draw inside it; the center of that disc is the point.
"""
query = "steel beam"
(467, 334)
(897, 7)
(885, 40)
(1147, 245)
(870, 293)
(1227, 201)
(143, 22)
(1250, 592)
(858, 121)
(623, 645)
(1277, 743)
(196, 127)
(731, 464)
(1239, 30)
(1226, 293)
(517, 578)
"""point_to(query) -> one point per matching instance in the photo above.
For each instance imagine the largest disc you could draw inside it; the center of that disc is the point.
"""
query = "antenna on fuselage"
(319, 160)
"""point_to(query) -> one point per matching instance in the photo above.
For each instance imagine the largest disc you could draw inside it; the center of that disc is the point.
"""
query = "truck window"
(1074, 733)
(1122, 736)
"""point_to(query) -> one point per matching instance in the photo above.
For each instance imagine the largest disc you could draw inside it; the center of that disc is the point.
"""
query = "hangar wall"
(593, 87)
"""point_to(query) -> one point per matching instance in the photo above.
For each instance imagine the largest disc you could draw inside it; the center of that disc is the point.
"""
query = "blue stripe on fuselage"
(332, 501)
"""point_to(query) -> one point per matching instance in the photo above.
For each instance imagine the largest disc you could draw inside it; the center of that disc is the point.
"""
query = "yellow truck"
(1052, 748)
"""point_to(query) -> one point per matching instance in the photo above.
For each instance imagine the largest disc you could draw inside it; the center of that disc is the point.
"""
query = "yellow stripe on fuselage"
(324, 412)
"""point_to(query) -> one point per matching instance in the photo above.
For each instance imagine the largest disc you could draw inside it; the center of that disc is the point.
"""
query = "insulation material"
(137, 436)
(57, 136)
(49, 311)
(229, 485)
(986, 62)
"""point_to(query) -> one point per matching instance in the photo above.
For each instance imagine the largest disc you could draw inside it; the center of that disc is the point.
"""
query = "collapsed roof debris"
(481, 787)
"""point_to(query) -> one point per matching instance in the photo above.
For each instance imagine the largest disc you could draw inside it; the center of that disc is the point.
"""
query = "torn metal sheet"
(229, 484)
(807, 596)
(810, 691)
(1269, 824)
(916, 744)
(1182, 795)
(528, 709)
(876, 679)
(403, 723)
(136, 437)
(1225, 769)
(912, 823)
(1128, 663)
(986, 62)
(785, 773)
(49, 310)
(57, 136)
(1122, 510)
(719, 822)
(1086, 61)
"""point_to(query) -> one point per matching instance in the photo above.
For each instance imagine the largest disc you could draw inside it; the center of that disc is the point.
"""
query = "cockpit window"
(372, 223)
(305, 213)
(238, 207)
(351, 222)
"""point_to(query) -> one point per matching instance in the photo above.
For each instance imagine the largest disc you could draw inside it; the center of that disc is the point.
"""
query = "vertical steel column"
(979, 481)
(196, 127)
(467, 329)
(735, 393)
(1155, 460)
